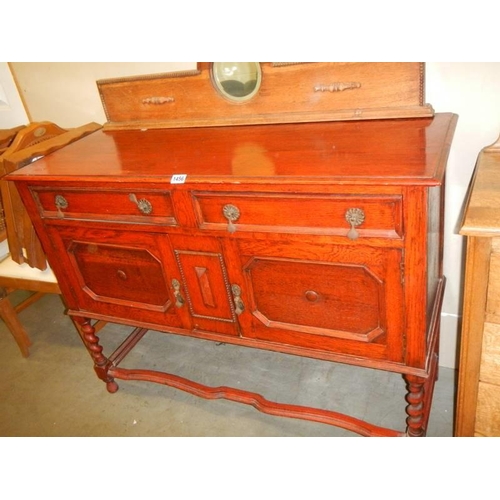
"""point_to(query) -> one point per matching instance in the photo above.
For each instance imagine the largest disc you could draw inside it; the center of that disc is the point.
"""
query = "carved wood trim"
(337, 87)
(157, 100)
(227, 286)
(422, 84)
(205, 288)
(338, 334)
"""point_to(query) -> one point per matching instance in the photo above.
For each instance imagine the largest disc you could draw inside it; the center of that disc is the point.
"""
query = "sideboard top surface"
(403, 151)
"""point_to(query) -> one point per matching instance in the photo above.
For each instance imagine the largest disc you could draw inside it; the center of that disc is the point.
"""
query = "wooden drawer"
(106, 205)
(373, 216)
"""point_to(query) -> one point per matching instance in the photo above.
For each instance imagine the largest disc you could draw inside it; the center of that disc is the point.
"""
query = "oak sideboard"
(319, 235)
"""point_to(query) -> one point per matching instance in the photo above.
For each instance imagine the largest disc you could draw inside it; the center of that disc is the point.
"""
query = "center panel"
(205, 283)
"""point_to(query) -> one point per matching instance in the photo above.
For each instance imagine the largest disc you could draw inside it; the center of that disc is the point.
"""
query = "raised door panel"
(205, 284)
(338, 299)
(325, 298)
(118, 274)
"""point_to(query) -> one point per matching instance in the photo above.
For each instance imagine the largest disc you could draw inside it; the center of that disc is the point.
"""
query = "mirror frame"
(218, 85)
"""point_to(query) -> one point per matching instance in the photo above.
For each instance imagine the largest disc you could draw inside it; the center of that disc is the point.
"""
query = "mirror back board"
(286, 93)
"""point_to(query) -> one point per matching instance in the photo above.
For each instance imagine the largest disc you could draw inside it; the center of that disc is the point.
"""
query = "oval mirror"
(237, 81)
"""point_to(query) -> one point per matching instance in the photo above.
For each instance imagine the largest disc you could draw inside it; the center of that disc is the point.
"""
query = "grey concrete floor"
(55, 391)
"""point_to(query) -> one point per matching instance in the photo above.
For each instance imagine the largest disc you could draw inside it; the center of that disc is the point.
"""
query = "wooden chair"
(6, 138)
(24, 266)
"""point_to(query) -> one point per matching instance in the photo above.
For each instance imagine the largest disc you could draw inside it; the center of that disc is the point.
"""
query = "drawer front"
(106, 205)
(205, 283)
(352, 216)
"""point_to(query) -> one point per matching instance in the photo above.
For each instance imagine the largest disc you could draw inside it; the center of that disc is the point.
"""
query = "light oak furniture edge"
(481, 226)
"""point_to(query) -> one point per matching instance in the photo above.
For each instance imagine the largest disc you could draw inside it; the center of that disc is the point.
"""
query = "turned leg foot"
(416, 409)
(111, 386)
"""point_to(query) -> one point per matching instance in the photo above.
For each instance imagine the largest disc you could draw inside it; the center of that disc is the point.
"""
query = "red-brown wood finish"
(281, 269)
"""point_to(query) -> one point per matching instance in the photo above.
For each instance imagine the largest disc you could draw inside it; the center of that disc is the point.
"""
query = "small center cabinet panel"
(205, 285)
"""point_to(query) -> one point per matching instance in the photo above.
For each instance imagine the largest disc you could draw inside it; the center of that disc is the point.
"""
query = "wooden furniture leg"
(416, 406)
(8, 314)
(91, 341)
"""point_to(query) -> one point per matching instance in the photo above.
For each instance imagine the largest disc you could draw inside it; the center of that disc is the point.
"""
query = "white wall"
(472, 90)
(12, 112)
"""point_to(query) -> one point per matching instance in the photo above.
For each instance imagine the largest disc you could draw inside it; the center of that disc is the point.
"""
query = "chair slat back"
(34, 141)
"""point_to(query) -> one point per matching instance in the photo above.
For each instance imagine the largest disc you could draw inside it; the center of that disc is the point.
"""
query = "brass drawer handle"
(232, 214)
(143, 205)
(61, 204)
(355, 217)
(239, 306)
(179, 299)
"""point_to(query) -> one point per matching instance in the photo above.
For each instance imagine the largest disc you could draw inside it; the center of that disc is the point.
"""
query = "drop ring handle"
(355, 217)
(143, 205)
(232, 214)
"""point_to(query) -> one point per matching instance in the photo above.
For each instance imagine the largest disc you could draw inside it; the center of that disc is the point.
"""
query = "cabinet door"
(345, 299)
(205, 283)
(118, 274)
